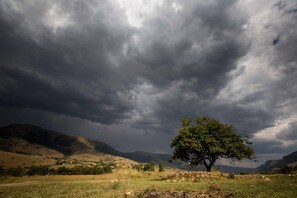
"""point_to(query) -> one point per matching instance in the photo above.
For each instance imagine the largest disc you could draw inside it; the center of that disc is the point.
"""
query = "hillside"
(270, 165)
(33, 140)
(27, 135)
(24, 144)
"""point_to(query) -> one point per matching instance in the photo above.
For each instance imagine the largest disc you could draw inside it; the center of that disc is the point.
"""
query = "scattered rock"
(113, 181)
(127, 194)
(267, 179)
(193, 176)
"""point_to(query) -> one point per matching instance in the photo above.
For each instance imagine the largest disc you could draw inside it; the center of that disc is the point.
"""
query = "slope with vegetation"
(275, 165)
(32, 140)
(26, 145)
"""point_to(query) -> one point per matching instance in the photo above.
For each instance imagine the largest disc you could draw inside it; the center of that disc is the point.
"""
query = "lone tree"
(203, 141)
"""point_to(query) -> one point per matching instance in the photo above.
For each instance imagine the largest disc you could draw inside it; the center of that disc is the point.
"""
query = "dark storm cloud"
(283, 60)
(71, 71)
(191, 66)
(288, 7)
(202, 42)
(280, 96)
(270, 146)
(195, 49)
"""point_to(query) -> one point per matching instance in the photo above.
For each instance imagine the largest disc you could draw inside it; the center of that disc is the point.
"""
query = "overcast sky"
(127, 71)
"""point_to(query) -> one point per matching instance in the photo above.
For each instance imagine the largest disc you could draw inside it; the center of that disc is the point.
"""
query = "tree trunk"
(208, 166)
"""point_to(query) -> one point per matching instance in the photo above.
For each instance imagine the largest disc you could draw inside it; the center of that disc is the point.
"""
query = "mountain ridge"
(272, 165)
(67, 144)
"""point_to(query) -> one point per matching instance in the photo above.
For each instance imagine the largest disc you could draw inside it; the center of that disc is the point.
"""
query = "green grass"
(124, 180)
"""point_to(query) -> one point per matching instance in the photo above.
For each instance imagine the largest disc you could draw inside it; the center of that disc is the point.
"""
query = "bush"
(38, 170)
(15, 171)
(231, 176)
(107, 169)
(84, 170)
(46, 170)
(138, 167)
(287, 169)
(149, 167)
(161, 168)
(62, 171)
(144, 167)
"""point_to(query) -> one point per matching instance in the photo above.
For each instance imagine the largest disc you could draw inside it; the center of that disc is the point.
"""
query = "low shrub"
(46, 170)
(161, 168)
(15, 171)
(287, 169)
(144, 167)
(231, 176)
(39, 170)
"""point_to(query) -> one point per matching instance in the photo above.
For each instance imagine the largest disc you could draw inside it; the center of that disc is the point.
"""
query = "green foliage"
(83, 170)
(287, 169)
(46, 170)
(15, 171)
(138, 167)
(204, 140)
(231, 176)
(149, 167)
(39, 170)
(144, 167)
(161, 167)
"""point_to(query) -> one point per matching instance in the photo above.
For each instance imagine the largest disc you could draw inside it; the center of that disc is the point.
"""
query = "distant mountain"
(106, 148)
(26, 138)
(270, 165)
(139, 156)
(290, 159)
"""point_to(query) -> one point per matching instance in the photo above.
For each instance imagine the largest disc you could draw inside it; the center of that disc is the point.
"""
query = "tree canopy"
(204, 140)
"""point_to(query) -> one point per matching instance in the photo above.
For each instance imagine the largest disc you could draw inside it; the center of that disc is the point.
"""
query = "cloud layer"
(127, 74)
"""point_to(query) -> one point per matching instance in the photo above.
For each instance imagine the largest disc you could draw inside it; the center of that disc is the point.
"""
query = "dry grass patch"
(9, 159)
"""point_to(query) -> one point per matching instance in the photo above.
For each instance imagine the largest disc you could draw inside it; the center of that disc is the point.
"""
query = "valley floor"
(131, 183)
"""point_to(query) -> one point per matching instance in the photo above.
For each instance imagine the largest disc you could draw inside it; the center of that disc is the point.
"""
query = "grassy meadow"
(132, 183)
